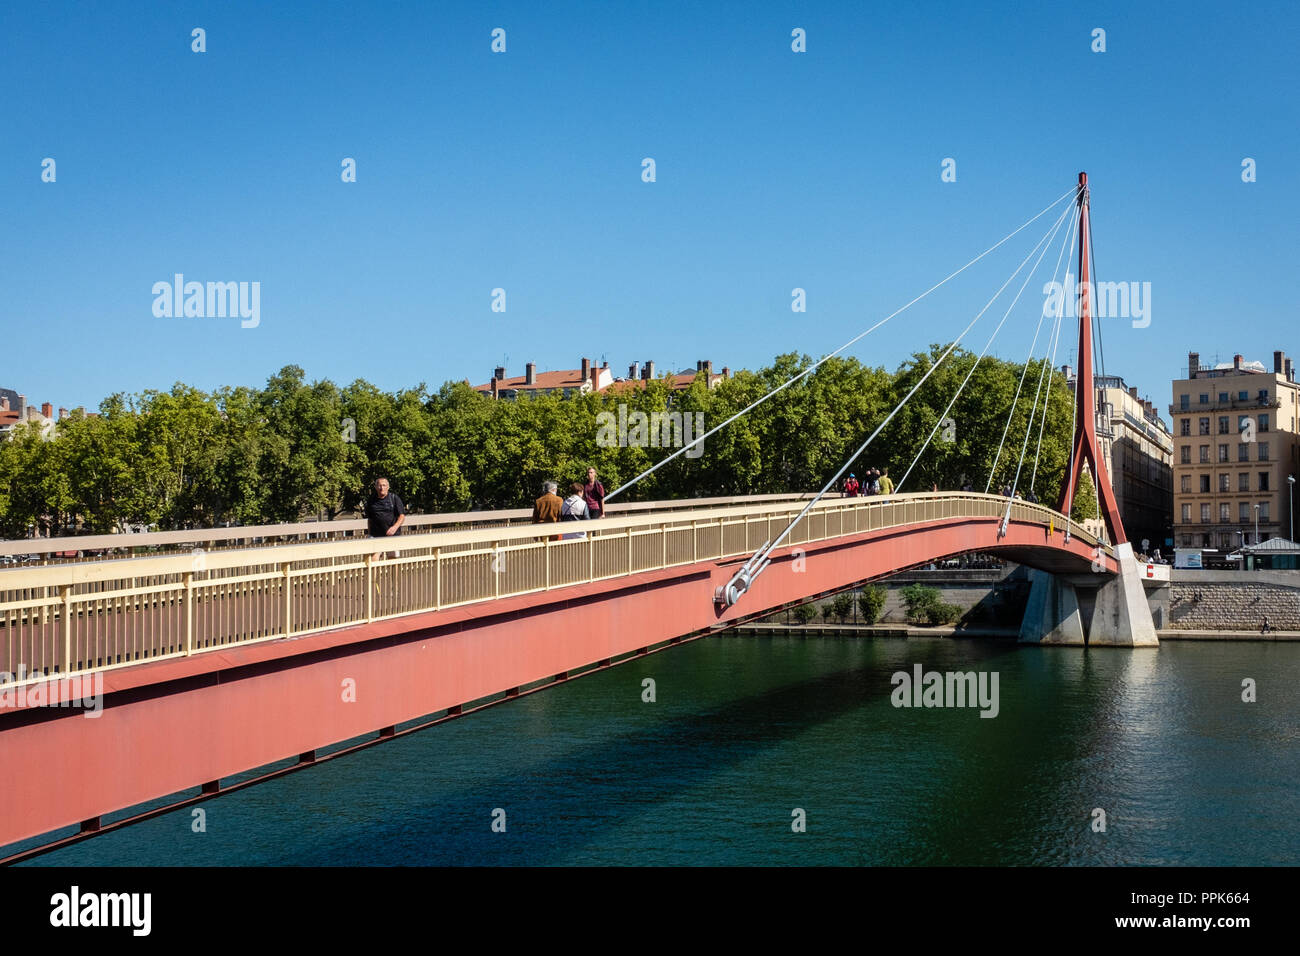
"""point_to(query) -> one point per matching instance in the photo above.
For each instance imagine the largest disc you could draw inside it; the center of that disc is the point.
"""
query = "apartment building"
(588, 378)
(1237, 441)
(1139, 453)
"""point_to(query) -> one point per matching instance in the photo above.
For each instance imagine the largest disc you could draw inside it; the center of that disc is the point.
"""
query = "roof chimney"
(633, 370)
(595, 380)
(648, 373)
(22, 408)
(1236, 362)
(63, 413)
(726, 372)
(530, 373)
(1277, 363)
(493, 384)
(1133, 391)
(47, 409)
(708, 366)
(1290, 374)
(1193, 363)
(499, 372)
(586, 369)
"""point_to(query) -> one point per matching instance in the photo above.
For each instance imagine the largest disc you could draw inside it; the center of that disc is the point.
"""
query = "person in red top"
(851, 487)
(593, 493)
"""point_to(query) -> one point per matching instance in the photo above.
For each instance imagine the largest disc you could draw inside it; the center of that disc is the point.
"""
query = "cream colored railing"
(73, 618)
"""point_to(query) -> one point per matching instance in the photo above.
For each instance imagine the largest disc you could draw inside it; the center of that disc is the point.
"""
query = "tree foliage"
(296, 448)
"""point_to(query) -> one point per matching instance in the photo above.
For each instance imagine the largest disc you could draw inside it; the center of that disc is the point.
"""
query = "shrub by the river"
(871, 602)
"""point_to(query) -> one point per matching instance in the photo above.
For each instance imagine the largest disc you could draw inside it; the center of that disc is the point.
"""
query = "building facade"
(1139, 453)
(588, 378)
(1237, 441)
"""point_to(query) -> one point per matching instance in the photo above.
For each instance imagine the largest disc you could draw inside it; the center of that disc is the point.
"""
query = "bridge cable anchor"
(729, 594)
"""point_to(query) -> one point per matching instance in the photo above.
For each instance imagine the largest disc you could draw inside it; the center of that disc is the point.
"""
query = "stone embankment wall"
(1229, 600)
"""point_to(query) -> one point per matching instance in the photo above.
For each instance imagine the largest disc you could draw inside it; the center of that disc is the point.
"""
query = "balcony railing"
(1232, 403)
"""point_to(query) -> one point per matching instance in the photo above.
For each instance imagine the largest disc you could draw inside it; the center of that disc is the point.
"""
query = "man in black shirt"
(384, 512)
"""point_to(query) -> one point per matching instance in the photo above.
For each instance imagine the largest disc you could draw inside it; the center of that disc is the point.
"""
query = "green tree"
(871, 602)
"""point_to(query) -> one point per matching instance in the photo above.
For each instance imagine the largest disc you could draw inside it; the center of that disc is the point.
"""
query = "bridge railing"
(70, 548)
(74, 618)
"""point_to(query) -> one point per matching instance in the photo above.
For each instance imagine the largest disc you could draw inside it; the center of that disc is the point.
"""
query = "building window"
(1187, 514)
(1243, 481)
(1186, 484)
(1223, 425)
(1263, 423)
(1263, 481)
(1205, 513)
(1183, 401)
(1204, 398)
(1263, 511)
(1205, 484)
(1224, 513)
(1204, 425)
(1243, 512)
(1242, 423)
(1243, 396)
(1263, 451)
(1225, 482)
(1185, 426)
(1223, 453)
(1243, 452)
(1223, 398)
(1205, 454)
(1187, 454)
(1263, 396)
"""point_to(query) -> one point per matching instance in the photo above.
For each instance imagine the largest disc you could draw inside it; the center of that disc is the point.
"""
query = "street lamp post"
(1257, 525)
(1290, 502)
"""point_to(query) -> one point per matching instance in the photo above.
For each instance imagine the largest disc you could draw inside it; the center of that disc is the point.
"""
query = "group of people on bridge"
(875, 481)
(385, 513)
(586, 500)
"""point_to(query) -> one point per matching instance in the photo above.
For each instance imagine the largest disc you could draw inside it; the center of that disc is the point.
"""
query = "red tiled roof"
(677, 382)
(564, 378)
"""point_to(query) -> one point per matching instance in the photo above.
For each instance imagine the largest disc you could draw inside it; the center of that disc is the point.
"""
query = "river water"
(744, 732)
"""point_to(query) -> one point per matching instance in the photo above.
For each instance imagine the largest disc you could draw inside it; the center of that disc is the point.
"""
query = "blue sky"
(522, 171)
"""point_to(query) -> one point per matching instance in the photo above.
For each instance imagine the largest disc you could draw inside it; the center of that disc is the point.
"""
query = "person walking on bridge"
(851, 486)
(385, 513)
(575, 509)
(593, 493)
(886, 486)
(547, 508)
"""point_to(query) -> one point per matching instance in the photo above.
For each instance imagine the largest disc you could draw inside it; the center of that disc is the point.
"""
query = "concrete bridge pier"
(1121, 616)
(1119, 613)
(1052, 615)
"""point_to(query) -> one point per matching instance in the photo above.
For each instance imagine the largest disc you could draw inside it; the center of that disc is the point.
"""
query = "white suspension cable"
(1014, 401)
(1029, 426)
(1047, 396)
(1072, 191)
(1060, 312)
(1046, 245)
(730, 593)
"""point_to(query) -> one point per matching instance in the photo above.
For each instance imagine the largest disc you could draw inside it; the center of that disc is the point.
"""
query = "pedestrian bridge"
(269, 646)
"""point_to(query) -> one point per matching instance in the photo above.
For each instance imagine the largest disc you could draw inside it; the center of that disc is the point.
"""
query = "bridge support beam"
(1052, 614)
(1122, 617)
